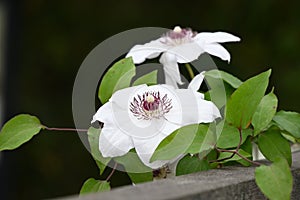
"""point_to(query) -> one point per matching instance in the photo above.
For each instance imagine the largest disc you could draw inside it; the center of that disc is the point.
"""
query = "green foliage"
(140, 177)
(264, 112)
(135, 169)
(247, 145)
(19, 130)
(176, 143)
(132, 163)
(117, 77)
(221, 86)
(226, 77)
(204, 140)
(276, 180)
(289, 137)
(93, 138)
(229, 137)
(244, 101)
(188, 139)
(289, 122)
(91, 186)
(149, 79)
(247, 105)
(190, 164)
(273, 145)
(219, 92)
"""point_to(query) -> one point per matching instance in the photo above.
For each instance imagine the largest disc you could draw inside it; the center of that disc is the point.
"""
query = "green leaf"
(219, 91)
(264, 112)
(190, 164)
(276, 180)
(175, 144)
(230, 136)
(132, 163)
(101, 166)
(289, 137)
(93, 138)
(141, 177)
(288, 121)
(149, 79)
(188, 139)
(244, 101)
(19, 130)
(230, 79)
(247, 145)
(91, 186)
(204, 141)
(273, 145)
(117, 77)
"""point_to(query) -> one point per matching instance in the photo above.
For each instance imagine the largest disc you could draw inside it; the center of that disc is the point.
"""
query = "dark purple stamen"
(150, 105)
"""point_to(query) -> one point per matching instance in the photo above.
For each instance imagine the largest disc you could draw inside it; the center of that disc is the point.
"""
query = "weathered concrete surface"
(229, 183)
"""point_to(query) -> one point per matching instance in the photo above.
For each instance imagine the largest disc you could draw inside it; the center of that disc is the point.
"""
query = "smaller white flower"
(182, 46)
(141, 117)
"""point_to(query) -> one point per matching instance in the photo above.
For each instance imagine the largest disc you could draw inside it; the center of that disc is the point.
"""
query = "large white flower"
(142, 116)
(182, 46)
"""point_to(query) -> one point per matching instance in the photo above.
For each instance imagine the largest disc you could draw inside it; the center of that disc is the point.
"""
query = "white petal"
(131, 125)
(139, 53)
(171, 69)
(104, 114)
(189, 106)
(146, 147)
(163, 90)
(196, 82)
(169, 127)
(217, 37)
(175, 114)
(121, 97)
(195, 109)
(186, 52)
(218, 51)
(113, 142)
(207, 110)
(116, 113)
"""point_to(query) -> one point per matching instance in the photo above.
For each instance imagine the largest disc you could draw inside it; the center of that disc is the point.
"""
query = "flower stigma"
(150, 105)
(177, 29)
(178, 36)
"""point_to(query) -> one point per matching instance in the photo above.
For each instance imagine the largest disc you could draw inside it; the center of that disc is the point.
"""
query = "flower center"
(178, 36)
(150, 105)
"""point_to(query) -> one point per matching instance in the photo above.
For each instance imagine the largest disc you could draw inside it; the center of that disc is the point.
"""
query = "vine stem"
(235, 152)
(190, 70)
(232, 151)
(112, 172)
(65, 129)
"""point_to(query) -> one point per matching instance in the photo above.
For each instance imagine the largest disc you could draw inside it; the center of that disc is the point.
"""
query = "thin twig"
(231, 151)
(112, 172)
(65, 129)
(239, 154)
(236, 151)
(220, 160)
(248, 160)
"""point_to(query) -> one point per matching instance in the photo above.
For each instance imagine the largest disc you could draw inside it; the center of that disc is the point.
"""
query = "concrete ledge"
(221, 184)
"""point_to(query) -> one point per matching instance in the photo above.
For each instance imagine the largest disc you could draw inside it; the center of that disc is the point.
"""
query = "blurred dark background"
(46, 42)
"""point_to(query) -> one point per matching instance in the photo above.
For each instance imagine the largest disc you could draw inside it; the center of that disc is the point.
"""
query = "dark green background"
(48, 40)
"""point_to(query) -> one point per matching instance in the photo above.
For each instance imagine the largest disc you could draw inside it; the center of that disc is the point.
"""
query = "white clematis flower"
(182, 46)
(142, 116)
